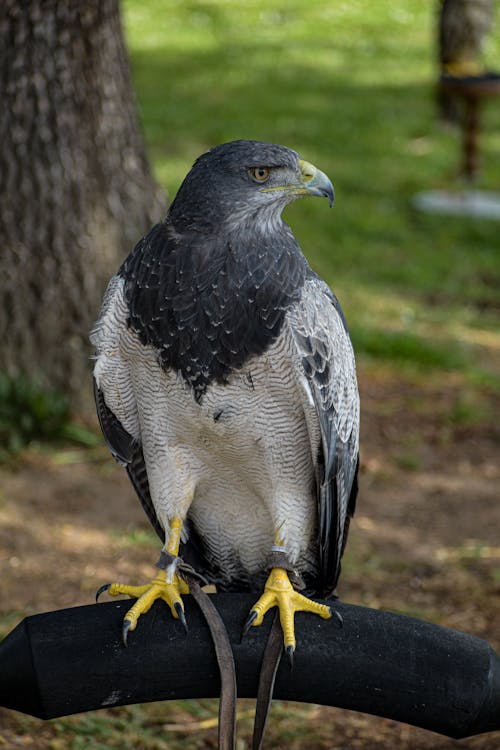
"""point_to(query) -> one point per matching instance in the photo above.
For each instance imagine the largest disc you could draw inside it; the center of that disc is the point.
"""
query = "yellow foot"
(279, 592)
(146, 595)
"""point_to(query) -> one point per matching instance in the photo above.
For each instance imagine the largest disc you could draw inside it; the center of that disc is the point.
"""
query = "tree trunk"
(77, 190)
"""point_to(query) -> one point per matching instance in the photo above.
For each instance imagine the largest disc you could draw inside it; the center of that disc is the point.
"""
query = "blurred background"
(88, 166)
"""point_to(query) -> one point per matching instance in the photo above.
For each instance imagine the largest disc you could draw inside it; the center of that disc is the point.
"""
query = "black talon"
(248, 624)
(289, 652)
(101, 590)
(338, 616)
(180, 614)
(125, 629)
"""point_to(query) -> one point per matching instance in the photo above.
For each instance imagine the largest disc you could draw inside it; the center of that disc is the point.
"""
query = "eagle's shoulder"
(319, 330)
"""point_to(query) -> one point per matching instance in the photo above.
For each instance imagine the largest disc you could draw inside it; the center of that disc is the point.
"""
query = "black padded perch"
(73, 660)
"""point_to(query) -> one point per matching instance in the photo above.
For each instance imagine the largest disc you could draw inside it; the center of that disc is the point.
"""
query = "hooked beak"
(316, 182)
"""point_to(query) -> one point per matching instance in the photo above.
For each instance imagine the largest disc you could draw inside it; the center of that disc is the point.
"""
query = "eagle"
(225, 384)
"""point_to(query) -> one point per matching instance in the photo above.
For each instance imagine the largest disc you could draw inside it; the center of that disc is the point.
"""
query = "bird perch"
(73, 660)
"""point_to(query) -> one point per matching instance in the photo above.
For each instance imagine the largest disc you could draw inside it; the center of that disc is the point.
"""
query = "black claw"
(101, 590)
(289, 652)
(338, 617)
(125, 629)
(248, 624)
(180, 614)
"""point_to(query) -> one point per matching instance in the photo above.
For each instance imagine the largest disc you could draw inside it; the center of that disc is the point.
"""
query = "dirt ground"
(425, 542)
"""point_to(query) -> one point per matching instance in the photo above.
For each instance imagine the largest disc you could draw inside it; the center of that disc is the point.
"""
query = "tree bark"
(76, 185)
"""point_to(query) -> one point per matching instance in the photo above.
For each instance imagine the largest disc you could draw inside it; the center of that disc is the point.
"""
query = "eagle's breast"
(208, 306)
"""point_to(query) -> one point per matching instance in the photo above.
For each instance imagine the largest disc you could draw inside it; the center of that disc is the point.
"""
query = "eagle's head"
(244, 181)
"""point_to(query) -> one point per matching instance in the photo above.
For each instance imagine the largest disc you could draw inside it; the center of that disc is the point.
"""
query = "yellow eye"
(259, 174)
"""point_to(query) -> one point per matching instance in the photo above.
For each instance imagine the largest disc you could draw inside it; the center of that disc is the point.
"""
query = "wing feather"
(326, 358)
(115, 398)
(128, 452)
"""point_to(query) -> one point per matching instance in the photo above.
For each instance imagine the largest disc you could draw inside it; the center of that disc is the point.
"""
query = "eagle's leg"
(279, 592)
(167, 584)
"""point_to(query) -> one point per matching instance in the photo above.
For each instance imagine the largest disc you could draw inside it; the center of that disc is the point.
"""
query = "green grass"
(350, 86)
(29, 414)
(136, 538)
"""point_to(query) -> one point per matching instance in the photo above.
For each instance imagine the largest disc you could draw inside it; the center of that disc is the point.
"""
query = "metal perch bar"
(73, 660)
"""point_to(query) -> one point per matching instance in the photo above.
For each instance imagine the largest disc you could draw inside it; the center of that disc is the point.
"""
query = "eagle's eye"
(259, 174)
